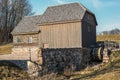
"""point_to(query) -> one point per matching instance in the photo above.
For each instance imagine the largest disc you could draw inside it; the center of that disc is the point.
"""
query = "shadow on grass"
(9, 64)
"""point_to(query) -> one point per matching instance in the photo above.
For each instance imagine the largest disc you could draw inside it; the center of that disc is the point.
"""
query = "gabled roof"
(65, 12)
(27, 25)
(53, 14)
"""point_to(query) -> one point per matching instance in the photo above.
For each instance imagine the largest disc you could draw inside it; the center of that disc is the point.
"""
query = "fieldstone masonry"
(33, 68)
(44, 61)
(56, 60)
(31, 51)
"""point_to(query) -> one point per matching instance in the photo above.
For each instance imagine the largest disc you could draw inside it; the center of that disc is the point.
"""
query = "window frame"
(19, 40)
(30, 39)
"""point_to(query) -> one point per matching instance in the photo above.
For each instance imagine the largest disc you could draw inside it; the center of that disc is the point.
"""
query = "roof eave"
(59, 22)
(25, 33)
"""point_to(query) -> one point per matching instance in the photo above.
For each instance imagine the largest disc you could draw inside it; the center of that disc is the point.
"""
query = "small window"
(30, 40)
(19, 40)
(89, 29)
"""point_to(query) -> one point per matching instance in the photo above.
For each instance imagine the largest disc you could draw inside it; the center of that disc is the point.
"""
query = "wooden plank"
(66, 35)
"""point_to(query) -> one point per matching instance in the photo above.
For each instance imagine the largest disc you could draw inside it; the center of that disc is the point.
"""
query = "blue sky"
(107, 11)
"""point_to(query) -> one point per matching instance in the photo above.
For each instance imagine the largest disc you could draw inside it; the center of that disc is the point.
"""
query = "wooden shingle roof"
(27, 25)
(65, 12)
(53, 14)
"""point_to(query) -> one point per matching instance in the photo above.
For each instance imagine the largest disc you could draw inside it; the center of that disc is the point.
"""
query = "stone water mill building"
(63, 26)
(61, 31)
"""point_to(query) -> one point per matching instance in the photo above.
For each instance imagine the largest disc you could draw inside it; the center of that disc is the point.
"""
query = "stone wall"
(29, 51)
(24, 38)
(57, 60)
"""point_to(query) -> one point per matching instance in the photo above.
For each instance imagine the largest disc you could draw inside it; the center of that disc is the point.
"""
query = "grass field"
(108, 38)
(109, 71)
(5, 49)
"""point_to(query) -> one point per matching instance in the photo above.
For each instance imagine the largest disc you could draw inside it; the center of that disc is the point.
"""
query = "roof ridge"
(86, 9)
(64, 4)
(34, 15)
(74, 13)
(80, 4)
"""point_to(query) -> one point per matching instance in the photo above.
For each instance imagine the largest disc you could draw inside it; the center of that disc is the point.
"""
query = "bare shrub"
(51, 76)
(69, 71)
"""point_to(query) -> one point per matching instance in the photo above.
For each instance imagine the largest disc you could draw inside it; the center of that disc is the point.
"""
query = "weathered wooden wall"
(88, 30)
(64, 35)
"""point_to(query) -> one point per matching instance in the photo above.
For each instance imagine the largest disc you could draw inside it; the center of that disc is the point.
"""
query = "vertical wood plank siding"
(88, 37)
(67, 35)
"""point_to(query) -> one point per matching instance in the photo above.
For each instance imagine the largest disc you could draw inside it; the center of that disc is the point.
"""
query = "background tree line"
(11, 12)
(111, 32)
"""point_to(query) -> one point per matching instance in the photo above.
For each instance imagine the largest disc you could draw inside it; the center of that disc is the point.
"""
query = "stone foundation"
(54, 60)
(33, 69)
(30, 51)
(57, 60)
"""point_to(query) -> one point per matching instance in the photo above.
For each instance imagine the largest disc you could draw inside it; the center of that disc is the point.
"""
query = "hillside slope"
(108, 71)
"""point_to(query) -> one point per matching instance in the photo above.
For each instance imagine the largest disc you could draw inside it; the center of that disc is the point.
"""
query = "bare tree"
(115, 31)
(11, 12)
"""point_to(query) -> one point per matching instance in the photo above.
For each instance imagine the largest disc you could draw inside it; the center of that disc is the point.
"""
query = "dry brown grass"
(108, 37)
(5, 49)
(9, 71)
(110, 71)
